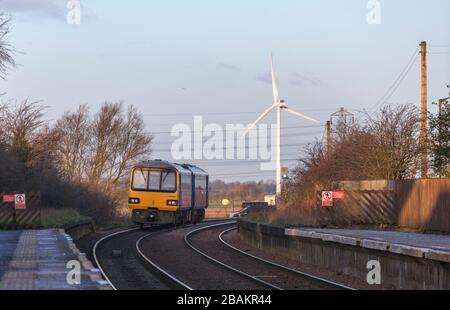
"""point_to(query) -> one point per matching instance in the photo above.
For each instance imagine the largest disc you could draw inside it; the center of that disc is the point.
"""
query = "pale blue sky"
(199, 56)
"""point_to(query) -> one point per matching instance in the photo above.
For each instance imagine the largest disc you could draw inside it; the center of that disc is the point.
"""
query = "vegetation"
(384, 146)
(61, 218)
(79, 162)
(440, 141)
(6, 50)
(239, 192)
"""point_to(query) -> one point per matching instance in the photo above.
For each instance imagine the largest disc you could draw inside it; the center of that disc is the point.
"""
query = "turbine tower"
(280, 106)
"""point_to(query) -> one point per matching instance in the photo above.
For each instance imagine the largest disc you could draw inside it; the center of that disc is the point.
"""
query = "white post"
(278, 150)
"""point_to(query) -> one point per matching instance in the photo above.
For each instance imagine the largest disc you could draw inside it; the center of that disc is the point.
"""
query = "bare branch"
(6, 50)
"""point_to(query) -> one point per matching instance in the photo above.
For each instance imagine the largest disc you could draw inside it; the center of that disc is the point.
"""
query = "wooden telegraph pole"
(424, 112)
(328, 126)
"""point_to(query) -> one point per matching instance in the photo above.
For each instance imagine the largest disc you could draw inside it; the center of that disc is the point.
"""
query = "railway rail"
(129, 246)
(275, 276)
(310, 277)
(206, 241)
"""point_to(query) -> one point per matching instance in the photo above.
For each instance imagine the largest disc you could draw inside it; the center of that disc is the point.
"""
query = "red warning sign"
(20, 202)
(327, 199)
(338, 195)
(8, 198)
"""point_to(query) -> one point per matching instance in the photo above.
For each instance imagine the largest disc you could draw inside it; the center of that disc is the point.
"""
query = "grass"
(60, 218)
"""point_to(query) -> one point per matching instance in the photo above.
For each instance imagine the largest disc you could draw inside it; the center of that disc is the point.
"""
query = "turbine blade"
(274, 81)
(300, 115)
(264, 114)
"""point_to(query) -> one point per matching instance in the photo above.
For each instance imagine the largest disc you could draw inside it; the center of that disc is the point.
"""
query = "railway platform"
(44, 260)
(428, 246)
(403, 260)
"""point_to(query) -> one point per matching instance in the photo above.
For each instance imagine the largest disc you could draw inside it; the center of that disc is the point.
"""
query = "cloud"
(227, 66)
(301, 80)
(42, 9)
(298, 79)
(265, 77)
(50, 8)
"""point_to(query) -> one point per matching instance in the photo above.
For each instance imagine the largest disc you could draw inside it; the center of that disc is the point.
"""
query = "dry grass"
(60, 218)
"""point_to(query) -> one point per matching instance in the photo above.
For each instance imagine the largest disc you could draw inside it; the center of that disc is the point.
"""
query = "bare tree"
(131, 144)
(72, 133)
(395, 146)
(6, 50)
(116, 141)
(3, 108)
(22, 124)
(386, 147)
(103, 135)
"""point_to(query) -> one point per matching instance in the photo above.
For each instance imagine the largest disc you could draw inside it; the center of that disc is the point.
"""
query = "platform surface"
(429, 246)
(37, 260)
(431, 241)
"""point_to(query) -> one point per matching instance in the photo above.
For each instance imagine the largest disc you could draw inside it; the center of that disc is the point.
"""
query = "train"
(162, 192)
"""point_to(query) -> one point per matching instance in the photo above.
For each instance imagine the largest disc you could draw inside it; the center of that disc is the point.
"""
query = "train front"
(153, 194)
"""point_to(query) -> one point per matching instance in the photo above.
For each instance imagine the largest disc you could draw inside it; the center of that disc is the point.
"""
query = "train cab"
(162, 192)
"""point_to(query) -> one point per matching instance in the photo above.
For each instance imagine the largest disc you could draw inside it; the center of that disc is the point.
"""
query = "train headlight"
(172, 202)
(134, 201)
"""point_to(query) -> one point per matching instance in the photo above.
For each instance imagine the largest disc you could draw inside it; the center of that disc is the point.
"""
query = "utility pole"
(328, 126)
(424, 112)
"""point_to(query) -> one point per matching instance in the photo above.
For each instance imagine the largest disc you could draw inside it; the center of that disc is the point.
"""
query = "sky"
(178, 59)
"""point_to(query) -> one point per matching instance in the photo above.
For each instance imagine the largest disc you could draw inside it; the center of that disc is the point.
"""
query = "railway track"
(310, 277)
(144, 261)
(272, 275)
(120, 264)
(123, 265)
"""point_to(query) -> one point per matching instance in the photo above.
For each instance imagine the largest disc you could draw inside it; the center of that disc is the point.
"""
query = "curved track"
(96, 257)
(142, 268)
(123, 264)
(307, 276)
(237, 271)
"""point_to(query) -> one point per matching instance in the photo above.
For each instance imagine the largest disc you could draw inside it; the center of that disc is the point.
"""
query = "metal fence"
(10, 218)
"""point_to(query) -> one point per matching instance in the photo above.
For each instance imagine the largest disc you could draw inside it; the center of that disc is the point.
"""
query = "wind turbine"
(280, 106)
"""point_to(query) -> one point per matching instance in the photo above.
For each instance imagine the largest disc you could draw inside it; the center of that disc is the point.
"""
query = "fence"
(416, 204)
(28, 218)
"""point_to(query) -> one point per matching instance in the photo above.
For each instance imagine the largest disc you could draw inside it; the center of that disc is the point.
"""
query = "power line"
(221, 113)
(236, 163)
(390, 92)
(232, 148)
(224, 130)
(260, 173)
(445, 45)
(255, 140)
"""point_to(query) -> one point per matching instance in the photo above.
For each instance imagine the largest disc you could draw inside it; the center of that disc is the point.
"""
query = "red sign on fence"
(8, 198)
(338, 195)
(20, 202)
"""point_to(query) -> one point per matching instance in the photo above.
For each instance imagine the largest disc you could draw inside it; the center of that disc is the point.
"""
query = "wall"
(398, 271)
(416, 204)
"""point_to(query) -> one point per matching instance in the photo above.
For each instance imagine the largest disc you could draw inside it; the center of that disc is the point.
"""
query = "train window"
(200, 182)
(140, 179)
(168, 180)
(154, 180)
